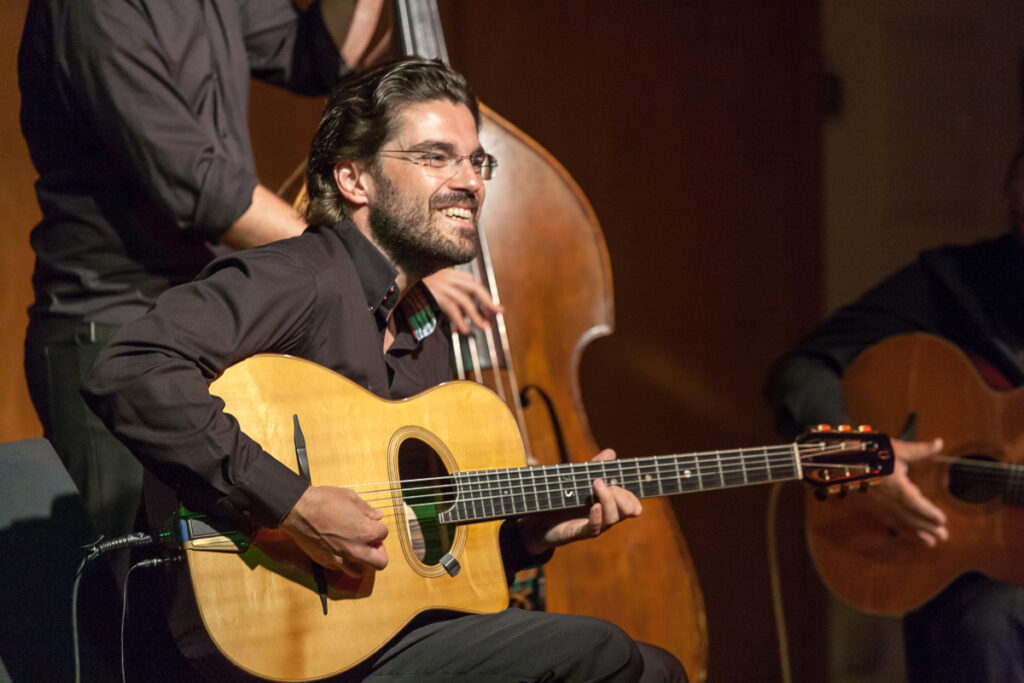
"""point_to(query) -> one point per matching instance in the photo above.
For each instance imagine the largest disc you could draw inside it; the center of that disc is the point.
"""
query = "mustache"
(455, 197)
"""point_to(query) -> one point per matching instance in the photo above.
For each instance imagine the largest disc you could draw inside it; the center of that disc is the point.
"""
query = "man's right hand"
(900, 503)
(338, 530)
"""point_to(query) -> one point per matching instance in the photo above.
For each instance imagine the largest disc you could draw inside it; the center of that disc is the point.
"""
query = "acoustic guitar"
(978, 481)
(445, 468)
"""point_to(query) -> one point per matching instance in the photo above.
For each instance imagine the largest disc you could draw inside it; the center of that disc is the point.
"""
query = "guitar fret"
(678, 479)
(732, 476)
(783, 468)
(508, 495)
(581, 484)
(767, 465)
(690, 479)
(533, 486)
(669, 474)
(657, 475)
(705, 473)
(638, 490)
(497, 495)
(461, 494)
(479, 498)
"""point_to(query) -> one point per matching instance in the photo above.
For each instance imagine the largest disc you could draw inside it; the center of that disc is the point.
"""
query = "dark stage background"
(693, 128)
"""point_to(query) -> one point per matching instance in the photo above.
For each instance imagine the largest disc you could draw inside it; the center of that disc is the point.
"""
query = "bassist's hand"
(901, 504)
(462, 299)
(613, 505)
(338, 530)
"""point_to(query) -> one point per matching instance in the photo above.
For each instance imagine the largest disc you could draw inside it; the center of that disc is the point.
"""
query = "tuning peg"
(864, 486)
(843, 428)
(823, 428)
(843, 490)
(864, 429)
(820, 494)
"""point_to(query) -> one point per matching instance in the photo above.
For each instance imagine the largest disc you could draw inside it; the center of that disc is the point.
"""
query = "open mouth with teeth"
(458, 213)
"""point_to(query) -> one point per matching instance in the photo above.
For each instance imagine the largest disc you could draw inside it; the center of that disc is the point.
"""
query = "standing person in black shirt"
(973, 296)
(396, 183)
(135, 113)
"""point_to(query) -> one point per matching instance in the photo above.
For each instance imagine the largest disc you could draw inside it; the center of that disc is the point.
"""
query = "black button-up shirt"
(135, 113)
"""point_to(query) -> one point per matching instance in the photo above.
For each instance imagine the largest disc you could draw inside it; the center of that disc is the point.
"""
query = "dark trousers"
(58, 352)
(508, 647)
(972, 631)
(519, 645)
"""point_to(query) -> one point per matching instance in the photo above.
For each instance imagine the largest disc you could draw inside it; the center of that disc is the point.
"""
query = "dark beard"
(405, 232)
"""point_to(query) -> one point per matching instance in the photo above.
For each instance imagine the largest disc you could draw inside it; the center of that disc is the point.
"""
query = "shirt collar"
(376, 274)
(377, 277)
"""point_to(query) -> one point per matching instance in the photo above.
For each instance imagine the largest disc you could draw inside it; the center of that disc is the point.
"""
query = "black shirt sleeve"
(804, 386)
(150, 385)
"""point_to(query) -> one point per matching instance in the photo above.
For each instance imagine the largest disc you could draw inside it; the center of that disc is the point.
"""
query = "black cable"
(94, 550)
(74, 617)
(153, 562)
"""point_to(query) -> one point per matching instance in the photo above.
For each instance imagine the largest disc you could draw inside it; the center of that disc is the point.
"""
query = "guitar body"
(854, 553)
(264, 614)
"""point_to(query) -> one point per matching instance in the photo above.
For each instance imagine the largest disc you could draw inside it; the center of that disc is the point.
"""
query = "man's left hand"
(613, 505)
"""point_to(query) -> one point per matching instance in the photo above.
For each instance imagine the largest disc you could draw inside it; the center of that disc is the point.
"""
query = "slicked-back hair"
(362, 113)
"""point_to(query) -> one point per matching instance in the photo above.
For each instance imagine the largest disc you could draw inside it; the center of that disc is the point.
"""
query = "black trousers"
(58, 352)
(972, 631)
(508, 647)
(519, 645)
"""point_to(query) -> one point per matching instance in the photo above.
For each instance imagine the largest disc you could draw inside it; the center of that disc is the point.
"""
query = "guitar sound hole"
(975, 479)
(422, 472)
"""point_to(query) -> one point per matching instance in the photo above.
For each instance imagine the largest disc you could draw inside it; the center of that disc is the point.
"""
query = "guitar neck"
(499, 494)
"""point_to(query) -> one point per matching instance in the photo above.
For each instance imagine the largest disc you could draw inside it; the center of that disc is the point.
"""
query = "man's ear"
(353, 182)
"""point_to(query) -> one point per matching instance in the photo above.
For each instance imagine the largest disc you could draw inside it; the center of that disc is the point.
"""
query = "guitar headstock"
(838, 459)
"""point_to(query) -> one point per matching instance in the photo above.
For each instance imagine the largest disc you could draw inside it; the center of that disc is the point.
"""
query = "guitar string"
(488, 487)
(630, 471)
(551, 472)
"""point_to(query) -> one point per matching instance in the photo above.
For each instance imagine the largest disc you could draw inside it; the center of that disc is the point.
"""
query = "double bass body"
(553, 273)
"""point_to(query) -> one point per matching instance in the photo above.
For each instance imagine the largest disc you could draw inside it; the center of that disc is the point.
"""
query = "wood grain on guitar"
(453, 457)
(978, 481)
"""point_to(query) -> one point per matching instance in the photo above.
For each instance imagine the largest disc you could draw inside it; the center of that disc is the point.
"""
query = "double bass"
(543, 257)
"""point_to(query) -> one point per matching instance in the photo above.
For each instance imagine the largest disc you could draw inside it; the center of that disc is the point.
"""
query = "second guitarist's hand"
(338, 530)
(613, 505)
(900, 503)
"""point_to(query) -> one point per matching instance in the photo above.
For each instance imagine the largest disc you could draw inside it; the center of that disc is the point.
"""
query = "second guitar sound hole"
(975, 479)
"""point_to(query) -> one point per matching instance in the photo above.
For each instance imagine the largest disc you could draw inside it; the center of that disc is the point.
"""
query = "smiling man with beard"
(396, 182)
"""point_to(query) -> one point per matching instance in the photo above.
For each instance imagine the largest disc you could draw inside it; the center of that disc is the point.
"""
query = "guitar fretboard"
(498, 494)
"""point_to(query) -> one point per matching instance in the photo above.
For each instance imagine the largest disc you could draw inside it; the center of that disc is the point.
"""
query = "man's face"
(425, 223)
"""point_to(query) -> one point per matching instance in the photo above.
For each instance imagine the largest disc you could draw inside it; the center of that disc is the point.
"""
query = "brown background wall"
(693, 129)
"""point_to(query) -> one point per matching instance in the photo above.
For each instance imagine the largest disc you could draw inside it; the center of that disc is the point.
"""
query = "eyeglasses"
(437, 164)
